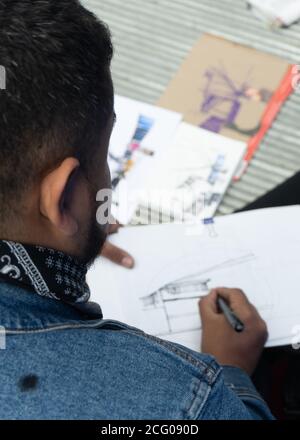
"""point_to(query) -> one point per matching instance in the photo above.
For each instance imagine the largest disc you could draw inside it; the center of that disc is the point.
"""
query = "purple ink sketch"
(223, 100)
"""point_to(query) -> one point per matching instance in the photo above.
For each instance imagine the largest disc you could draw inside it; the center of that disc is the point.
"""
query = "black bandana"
(50, 273)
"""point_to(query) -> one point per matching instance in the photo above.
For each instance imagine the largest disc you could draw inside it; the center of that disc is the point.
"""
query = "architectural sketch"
(202, 185)
(175, 304)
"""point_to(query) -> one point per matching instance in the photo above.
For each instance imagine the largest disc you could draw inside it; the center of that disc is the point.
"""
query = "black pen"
(233, 320)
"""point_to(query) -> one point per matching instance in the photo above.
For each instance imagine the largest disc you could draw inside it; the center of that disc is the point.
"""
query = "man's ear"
(53, 193)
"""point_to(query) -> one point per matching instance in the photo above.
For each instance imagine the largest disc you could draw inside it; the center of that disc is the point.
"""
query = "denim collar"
(22, 310)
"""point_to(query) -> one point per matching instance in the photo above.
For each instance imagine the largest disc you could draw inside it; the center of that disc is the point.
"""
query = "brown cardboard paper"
(224, 87)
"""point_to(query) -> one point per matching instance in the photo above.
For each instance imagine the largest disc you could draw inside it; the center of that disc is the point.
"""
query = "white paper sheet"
(256, 251)
(193, 174)
(141, 133)
(285, 11)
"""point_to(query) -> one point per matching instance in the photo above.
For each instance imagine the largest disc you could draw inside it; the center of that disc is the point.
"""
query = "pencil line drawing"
(202, 186)
(175, 304)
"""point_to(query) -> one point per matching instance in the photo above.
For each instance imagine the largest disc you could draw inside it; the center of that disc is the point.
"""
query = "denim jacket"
(59, 363)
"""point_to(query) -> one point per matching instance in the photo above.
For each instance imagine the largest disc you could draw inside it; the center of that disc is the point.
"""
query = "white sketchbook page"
(256, 251)
(288, 10)
(198, 165)
(106, 290)
(161, 129)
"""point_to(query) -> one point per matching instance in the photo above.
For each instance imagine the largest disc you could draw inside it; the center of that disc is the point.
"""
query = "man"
(62, 360)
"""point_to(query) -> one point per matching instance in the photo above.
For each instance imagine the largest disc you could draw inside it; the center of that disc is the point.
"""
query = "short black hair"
(59, 93)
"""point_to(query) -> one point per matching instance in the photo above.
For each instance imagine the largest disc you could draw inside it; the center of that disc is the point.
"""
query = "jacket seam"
(207, 370)
(245, 392)
(56, 327)
(199, 401)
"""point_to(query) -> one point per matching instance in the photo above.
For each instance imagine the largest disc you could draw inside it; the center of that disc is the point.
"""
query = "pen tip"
(239, 328)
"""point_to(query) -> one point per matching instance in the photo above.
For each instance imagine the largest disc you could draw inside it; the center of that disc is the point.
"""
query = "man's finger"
(233, 296)
(117, 255)
(237, 301)
(208, 304)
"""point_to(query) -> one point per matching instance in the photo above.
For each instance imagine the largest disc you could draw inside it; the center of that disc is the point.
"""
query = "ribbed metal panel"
(152, 38)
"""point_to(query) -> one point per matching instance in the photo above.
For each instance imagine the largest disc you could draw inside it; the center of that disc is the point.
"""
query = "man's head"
(56, 117)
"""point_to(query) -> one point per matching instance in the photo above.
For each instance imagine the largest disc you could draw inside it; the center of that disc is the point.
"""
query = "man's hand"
(115, 254)
(221, 341)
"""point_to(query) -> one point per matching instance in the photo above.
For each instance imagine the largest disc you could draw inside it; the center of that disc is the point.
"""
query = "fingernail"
(127, 262)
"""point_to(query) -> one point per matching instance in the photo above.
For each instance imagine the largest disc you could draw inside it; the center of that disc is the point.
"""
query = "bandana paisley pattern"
(50, 273)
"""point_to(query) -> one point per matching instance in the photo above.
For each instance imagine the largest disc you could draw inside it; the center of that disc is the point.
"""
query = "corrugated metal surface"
(152, 37)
